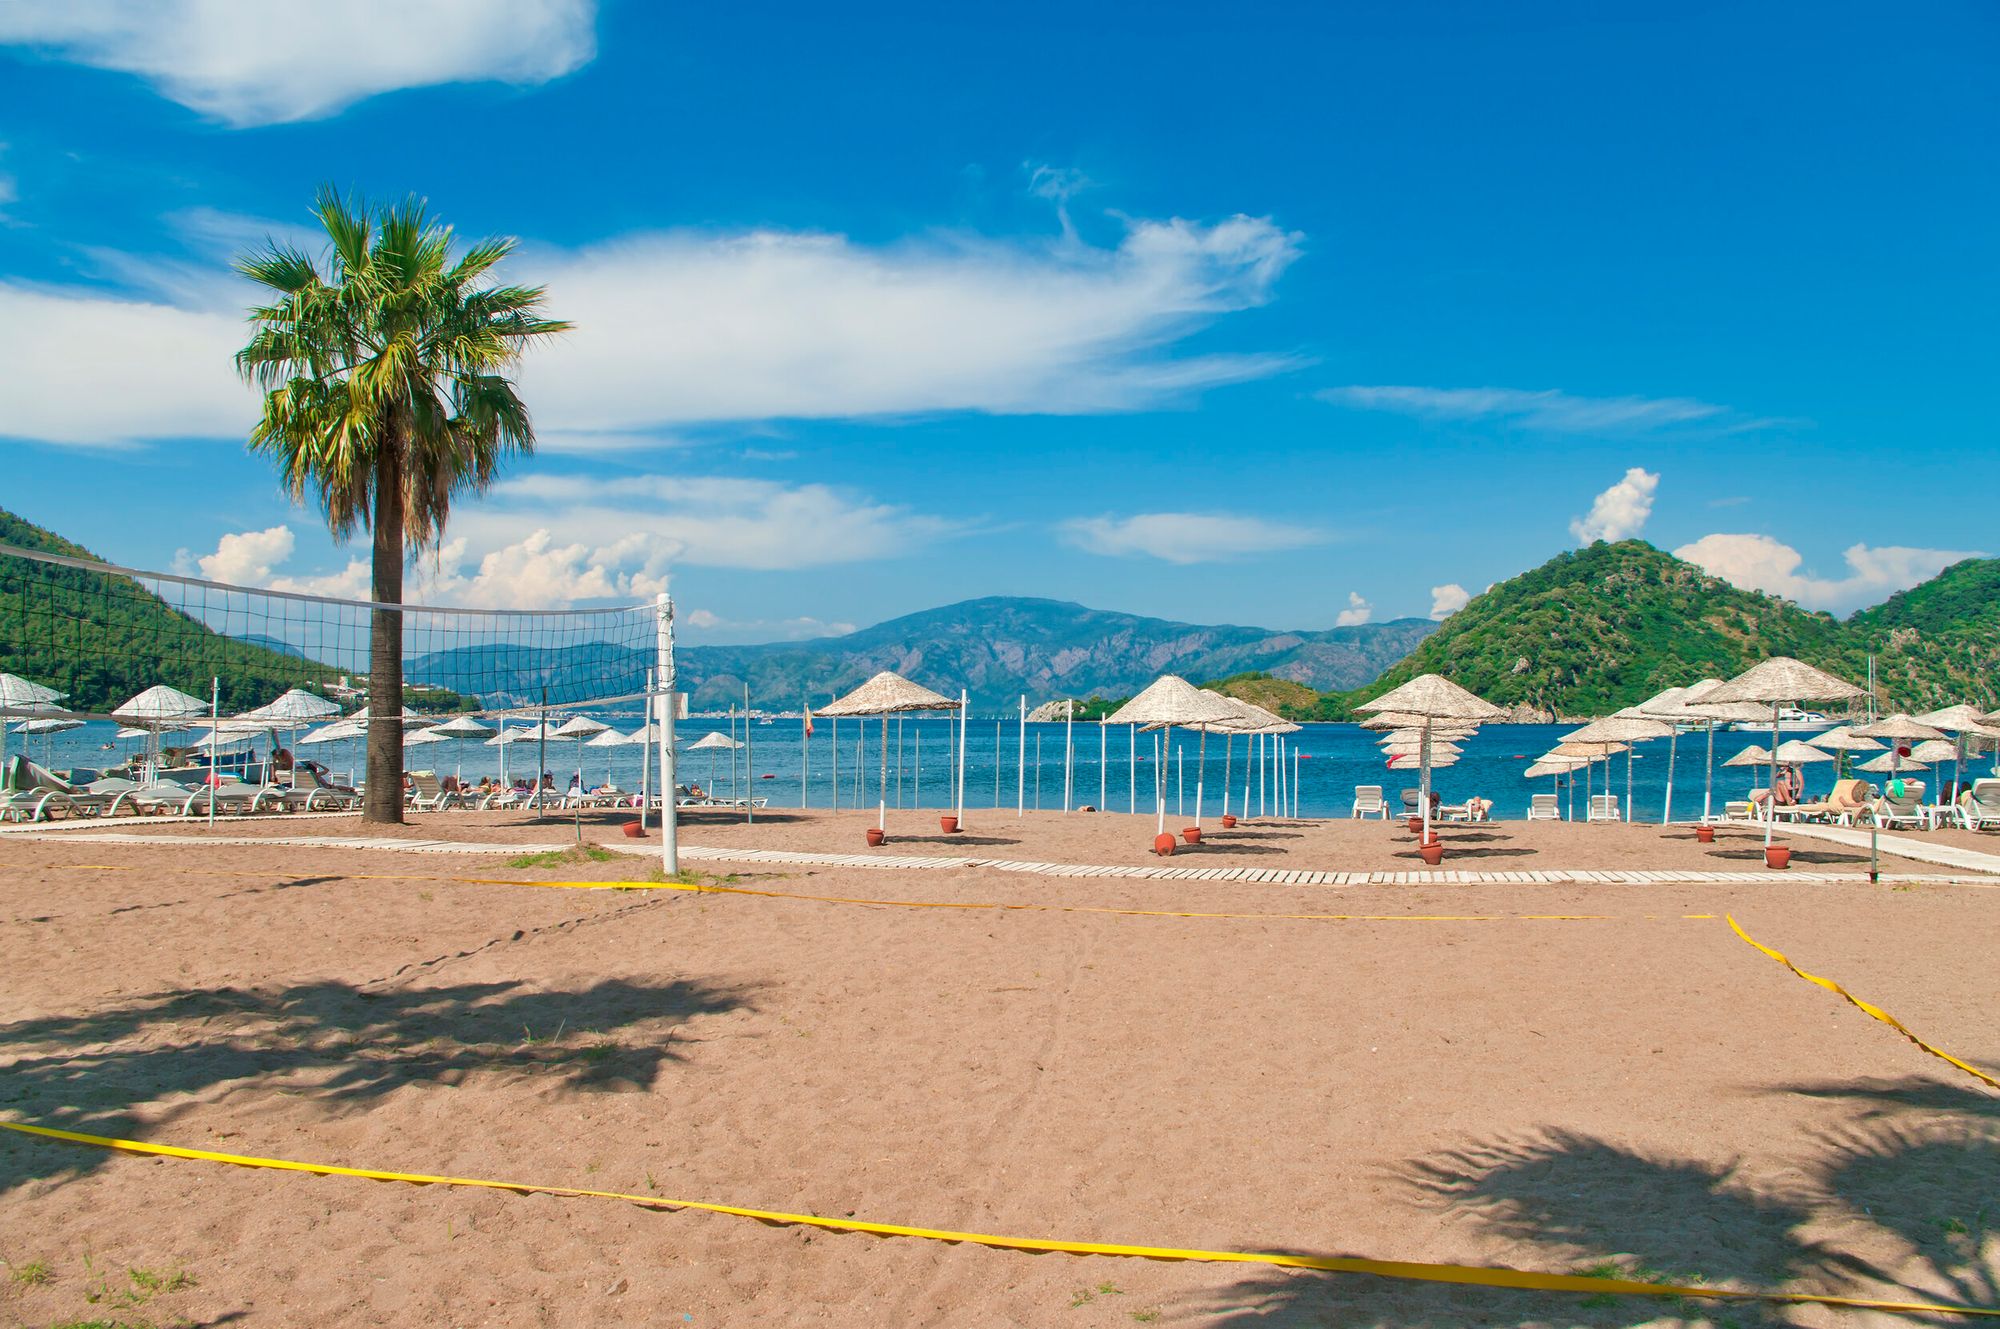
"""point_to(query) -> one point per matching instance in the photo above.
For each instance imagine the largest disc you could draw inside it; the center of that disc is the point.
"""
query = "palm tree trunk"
(384, 800)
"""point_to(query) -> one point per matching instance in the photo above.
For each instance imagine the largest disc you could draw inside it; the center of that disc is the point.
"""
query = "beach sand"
(1549, 1094)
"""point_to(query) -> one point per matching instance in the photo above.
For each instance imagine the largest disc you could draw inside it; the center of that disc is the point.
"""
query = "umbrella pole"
(1132, 770)
(1200, 766)
(1708, 781)
(1424, 798)
(1103, 765)
(1673, 742)
(882, 810)
(963, 719)
(1069, 752)
(1228, 746)
(1159, 785)
(916, 780)
(1629, 814)
(1038, 770)
(1771, 790)
(214, 725)
(1260, 776)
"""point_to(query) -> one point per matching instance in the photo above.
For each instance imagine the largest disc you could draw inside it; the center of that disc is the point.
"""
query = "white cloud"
(1761, 563)
(1546, 409)
(1620, 512)
(1185, 537)
(762, 629)
(684, 327)
(1358, 611)
(246, 558)
(1448, 599)
(711, 521)
(87, 369)
(255, 62)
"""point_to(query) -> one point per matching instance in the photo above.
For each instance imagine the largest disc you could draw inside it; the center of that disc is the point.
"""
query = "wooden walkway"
(1164, 871)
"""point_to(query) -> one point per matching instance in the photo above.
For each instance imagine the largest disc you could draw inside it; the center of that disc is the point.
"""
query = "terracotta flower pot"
(875, 837)
(1229, 821)
(635, 830)
(1417, 824)
(949, 825)
(1163, 845)
(1705, 834)
(1192, 834)
(1777, 856)
(1433, 852)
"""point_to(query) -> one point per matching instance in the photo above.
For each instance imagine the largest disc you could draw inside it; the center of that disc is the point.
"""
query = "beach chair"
(1368, 802)
(1412, 802)
(1842, 803)
(1544, 807)
(1890, 812)
(427, 794)
(1455, 811)
(1604, 807)
(311, 793)
(1979, 806)
(231, 799)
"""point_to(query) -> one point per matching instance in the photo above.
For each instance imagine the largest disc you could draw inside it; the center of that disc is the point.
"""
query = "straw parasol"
(1172, 700)
(1797, 752)
(1668, 707)
(1776, 682)
(159, 707)
(1751, 756)
(1842, 740)
(1932, 752)
(887, 694)
(1626, 729)
(1892, 762)
(1430, 698)
(1252, 720)
(18, 694)
(1692, 707)
(1962, 722)
(458, 729)
(712, 744)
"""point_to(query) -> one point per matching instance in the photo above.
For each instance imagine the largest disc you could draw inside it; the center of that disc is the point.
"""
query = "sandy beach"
(1636, 1087)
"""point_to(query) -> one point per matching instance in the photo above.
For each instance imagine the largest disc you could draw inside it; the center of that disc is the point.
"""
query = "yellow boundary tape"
(696, 889)
(1402, 1269)
(1868, 1007)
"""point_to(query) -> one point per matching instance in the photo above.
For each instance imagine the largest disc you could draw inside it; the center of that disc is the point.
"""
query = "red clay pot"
(635, 830)
(1417, 824)
(949, 825)
(1705, 834)
(1433, 852)
(1229, 821)
(1192, 834)
(1163, 845)
(1777, 856)
(875, 837)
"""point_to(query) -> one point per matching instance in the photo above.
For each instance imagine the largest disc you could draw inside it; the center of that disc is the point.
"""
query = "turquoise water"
(1334, 759)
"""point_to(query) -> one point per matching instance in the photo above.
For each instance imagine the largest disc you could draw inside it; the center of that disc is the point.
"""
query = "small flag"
(809, 722)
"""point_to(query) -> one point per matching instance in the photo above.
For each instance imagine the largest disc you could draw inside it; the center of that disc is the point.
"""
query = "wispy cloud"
(1547, 409)
(1448, 599)
(258, 64)
(1761, 563)
(756, 326)
(1186, 537)
(1620, 512)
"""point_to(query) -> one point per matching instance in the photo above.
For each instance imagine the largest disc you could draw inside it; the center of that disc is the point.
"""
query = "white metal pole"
(1200, 770)
(1673, 743)
(1180, 781)
(645, 754)
(1228, 744)
(1261, 764)
(1069, 752)
(882, 810)
(1132, 771)
(996, 765)
(963, 702)
(214, 723)
(805, 758)
(1295, 782)
(1160, 781)
(663, 673)
(1021, 765)
(833, 766)
(1038, 770)
(749, 767)
(917, 779)
(1103, 765)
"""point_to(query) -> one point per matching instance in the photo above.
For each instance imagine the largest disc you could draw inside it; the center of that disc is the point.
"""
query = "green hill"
(102, 638)
(1599, 628)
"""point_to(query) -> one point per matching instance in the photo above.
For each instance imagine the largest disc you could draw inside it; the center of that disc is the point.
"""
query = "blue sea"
(1334, 758)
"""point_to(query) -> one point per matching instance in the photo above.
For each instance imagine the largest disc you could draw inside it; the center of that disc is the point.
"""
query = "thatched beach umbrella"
(1172, 700)
(1626, 729)
(1431, 699)
(1692, 707)
(1775, 682)
(1798, 752)
(712, 744)
(1751, 756)
(1840, 741)
(1665, 706)
(1252, 720)
(1961, 722)
(159, 708)
(889, 694)
(458, 729)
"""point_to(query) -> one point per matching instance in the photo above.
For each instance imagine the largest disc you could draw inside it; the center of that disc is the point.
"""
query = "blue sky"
(1288, 314)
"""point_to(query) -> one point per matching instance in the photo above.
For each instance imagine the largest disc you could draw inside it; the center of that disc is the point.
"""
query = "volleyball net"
(99, 635)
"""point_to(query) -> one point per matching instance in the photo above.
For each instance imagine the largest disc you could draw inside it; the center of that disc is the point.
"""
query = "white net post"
(670, 850)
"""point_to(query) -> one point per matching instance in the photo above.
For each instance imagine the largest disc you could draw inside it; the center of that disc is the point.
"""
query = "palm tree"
(385, 396)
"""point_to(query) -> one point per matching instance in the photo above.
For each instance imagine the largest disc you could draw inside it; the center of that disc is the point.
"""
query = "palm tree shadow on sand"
(1917, 1174)
(332, 1043)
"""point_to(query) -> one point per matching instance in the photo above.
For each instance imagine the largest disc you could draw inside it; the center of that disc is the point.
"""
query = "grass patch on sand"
(35, 1273)
(556, 858)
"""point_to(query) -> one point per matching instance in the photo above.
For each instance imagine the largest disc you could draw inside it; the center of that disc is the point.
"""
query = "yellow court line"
(1868, 1007)
(1403, 1269)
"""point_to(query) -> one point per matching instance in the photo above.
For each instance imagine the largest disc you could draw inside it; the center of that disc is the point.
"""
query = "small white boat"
(1791, 720)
